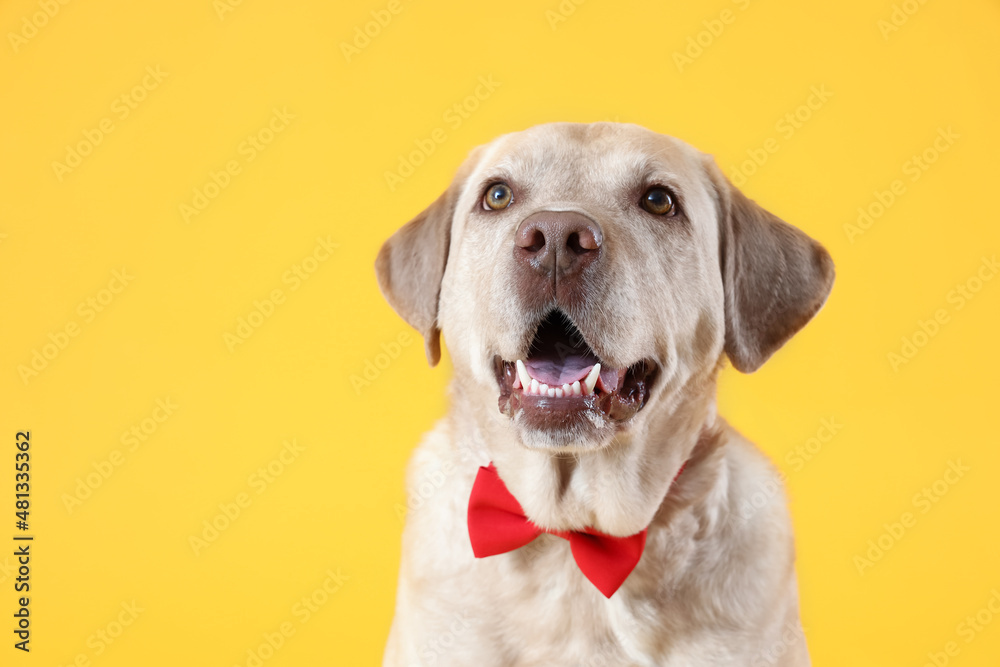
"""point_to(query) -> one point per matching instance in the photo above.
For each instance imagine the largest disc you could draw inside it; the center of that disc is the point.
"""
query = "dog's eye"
(498, 196)
(659, 201)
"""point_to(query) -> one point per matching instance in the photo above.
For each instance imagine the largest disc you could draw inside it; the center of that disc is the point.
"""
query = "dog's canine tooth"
(590, 381)
(576, 388)
(522, 373)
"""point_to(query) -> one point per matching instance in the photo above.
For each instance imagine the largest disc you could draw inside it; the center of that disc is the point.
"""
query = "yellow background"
(335, 506)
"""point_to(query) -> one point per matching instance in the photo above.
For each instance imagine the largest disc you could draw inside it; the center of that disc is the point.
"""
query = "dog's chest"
(552, 615)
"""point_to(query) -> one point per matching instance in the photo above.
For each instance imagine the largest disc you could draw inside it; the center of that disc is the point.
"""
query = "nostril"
(537, 243)
(573, 242)
(531, 239)
(583, 241)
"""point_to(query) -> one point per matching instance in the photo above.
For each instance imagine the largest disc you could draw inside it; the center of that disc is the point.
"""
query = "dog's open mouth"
(563, 382)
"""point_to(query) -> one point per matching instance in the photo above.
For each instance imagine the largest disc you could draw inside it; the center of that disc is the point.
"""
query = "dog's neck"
(618, 489)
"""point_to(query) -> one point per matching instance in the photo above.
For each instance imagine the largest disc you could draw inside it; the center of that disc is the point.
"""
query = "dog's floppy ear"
(775, 277)
(411, 264)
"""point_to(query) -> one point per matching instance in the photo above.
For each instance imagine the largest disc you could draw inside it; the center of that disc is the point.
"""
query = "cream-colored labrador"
(588, 281)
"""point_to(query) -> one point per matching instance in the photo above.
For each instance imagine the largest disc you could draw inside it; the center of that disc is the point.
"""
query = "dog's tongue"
(560, 356)
(557, 371)
(611, 379)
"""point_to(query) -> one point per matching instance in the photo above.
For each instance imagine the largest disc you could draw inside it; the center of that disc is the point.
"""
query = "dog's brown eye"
(658, 201)
(498, 196)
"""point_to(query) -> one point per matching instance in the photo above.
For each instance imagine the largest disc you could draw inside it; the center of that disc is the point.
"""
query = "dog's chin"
(562, 397)
(554, 429)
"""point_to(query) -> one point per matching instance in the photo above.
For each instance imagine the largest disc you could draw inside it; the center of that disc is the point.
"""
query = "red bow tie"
(497, 525)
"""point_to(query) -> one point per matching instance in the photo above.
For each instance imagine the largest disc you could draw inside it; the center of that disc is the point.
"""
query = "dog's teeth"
(591, 380)
(530, 385)
(522, 374)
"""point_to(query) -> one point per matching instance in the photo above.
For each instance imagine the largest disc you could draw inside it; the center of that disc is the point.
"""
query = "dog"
(582, 503)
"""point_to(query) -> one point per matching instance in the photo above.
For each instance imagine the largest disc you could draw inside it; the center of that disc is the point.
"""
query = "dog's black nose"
(558, 245)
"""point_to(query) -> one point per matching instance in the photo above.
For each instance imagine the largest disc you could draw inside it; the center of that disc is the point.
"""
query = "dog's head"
(582, 273)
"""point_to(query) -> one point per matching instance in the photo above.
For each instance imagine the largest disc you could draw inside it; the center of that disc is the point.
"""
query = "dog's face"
(583, 274)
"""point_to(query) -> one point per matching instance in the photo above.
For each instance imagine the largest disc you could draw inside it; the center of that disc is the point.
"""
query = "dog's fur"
(724, 278)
